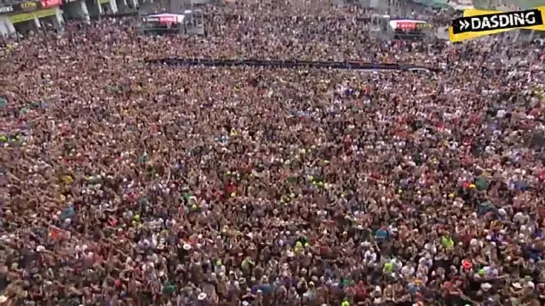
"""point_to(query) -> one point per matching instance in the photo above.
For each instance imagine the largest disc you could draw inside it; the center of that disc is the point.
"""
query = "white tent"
(460, 5)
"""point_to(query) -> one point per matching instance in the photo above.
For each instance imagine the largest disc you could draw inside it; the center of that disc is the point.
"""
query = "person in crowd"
(125, 183)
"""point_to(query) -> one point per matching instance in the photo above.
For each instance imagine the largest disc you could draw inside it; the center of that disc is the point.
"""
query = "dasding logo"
(477, 23)
(509, 20)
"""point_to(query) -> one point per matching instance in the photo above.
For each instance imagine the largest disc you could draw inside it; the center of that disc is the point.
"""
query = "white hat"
(40, 248)
(486, 286)
(186, 247)
(201, 296)
(516, 285)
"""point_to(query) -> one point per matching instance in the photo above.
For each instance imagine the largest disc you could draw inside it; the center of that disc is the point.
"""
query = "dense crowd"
(124, 183)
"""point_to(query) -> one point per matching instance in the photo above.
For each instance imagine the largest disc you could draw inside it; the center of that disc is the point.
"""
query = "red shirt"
(361, 292)
(230, 188)
(541, 175)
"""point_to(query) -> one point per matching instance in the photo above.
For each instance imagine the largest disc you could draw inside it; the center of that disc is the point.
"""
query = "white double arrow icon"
(464, 24)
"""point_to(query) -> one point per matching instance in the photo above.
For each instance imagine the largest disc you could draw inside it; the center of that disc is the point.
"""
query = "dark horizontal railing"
(177, 61)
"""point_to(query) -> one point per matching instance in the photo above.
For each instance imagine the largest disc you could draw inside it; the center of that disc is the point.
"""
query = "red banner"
(50, 3)
(406, 25)
(167, 19)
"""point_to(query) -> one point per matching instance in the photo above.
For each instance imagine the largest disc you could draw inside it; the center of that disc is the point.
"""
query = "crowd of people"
(125, 183)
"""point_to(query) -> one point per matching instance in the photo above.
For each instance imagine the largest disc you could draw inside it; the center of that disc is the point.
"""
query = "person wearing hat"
(202, 297)
(229, 169)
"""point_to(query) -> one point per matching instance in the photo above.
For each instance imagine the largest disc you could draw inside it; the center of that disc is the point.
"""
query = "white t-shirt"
(407, 271)
(370, 256)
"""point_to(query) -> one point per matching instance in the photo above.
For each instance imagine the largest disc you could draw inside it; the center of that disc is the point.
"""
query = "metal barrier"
(290, 64)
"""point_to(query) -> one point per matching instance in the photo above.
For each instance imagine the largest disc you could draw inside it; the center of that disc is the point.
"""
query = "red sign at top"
(406, 25)
(167, 19)
(51, 3)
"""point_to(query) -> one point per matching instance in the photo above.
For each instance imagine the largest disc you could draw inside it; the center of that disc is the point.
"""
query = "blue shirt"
(381, 234)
